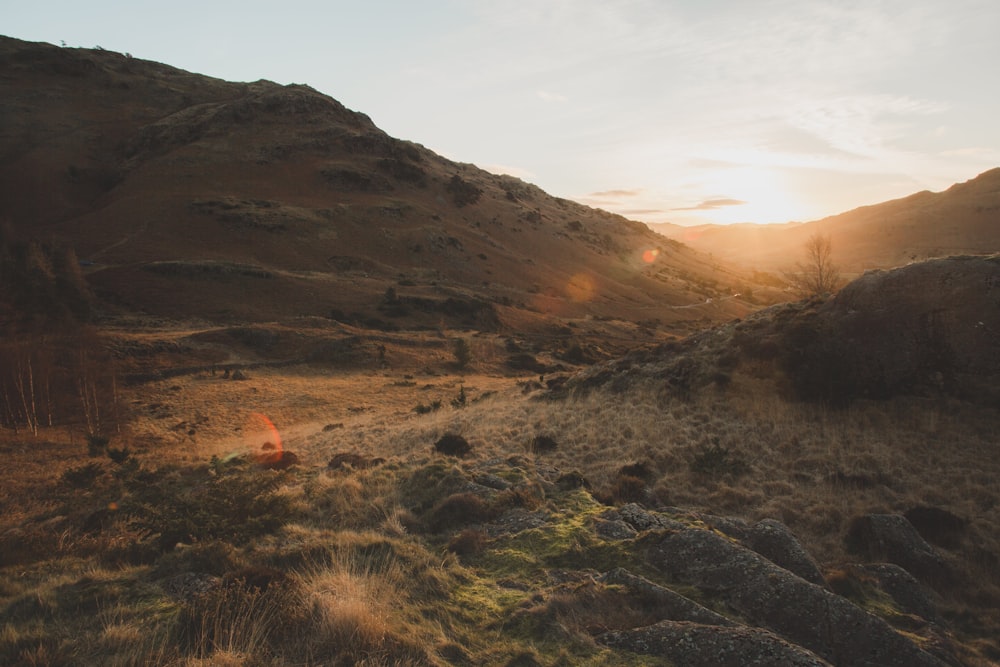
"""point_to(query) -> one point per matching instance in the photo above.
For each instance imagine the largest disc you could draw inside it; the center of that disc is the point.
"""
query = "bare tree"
(818, 274)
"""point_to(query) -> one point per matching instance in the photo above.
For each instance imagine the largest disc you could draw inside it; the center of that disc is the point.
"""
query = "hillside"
(964, 219)
(190, 197)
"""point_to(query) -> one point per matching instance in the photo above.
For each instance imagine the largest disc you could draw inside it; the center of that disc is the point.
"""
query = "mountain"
(186, 196)
(964, 219)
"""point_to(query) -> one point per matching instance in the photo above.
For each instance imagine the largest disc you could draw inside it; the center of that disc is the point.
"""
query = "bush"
(463, 354)
(451, 444)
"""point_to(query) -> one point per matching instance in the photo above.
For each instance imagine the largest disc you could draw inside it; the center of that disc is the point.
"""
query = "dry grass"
(363, 588)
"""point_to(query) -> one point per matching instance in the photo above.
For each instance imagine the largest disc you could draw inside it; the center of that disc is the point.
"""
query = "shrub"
(235, 504)
(459, 509)
(82, 476)
(469, 542)
(451, 444)
(422, 409)
(463, 354)
(542, 444)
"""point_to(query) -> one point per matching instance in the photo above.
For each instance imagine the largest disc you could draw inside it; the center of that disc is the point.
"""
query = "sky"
(684, 111)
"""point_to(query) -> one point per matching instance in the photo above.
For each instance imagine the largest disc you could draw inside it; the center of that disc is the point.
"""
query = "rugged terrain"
(256, 425)
(701, 503)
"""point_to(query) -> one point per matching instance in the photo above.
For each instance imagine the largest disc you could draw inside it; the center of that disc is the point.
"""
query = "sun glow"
(765, 195)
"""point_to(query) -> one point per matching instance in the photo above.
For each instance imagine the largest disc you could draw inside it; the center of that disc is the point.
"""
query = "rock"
(345, 460)
(904, 589)
(771, 597)
(772, 540)
(451, 444)
(492, 481)
(891, 538)
(280, 459)
(614, 530)
(669, 605)
(694, 645)
(640, 518)
(937, 526)
(188, 585)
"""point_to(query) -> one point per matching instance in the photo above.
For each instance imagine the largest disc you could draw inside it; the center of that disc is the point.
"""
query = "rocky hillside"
(186, 196)
(930, 329)
(964, 219)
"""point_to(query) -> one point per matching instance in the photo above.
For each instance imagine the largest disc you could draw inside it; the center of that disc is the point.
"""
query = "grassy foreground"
(186, 541)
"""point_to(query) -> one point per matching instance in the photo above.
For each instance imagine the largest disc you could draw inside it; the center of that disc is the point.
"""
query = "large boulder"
(771, 597)
(772, 540)
(928, 327)
(695, 645)
(891, 538)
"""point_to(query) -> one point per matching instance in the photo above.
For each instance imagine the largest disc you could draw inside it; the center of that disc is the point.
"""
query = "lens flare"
(650, 255)
(262, 436)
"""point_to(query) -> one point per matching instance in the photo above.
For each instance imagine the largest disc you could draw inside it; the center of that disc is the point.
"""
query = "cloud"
(616, 194)
(712, 204)
(546, 96)
(641, 211)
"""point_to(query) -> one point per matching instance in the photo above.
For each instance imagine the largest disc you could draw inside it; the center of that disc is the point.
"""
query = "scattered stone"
(614, 530)
(695, 645)
(346, 460)
(332, 427)
(517, 520)
(640, 518)
(891, 538)
(189, 585)
(492, 481)
(238, 375)
(772, 540)
(451, 444)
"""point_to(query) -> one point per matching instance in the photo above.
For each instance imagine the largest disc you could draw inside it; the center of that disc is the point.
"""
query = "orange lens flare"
(261, 427)
(650, 256)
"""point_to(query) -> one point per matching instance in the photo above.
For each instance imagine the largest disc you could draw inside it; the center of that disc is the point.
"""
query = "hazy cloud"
(641, 211)
(616, 194)
(711, 204)
(546, 96)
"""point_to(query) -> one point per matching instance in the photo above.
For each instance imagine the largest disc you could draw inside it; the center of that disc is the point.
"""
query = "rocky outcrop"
(669, 605)
(772, 540)
(771, 597)
(695, 645)
(891, 538)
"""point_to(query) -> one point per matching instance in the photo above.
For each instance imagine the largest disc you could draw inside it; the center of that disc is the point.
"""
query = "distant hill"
(187, 196)
(964, 219)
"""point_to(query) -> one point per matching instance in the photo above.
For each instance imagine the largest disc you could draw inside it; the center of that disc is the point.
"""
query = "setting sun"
(765, 197)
